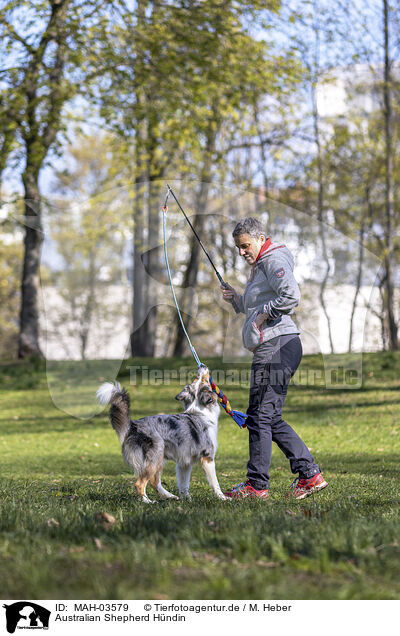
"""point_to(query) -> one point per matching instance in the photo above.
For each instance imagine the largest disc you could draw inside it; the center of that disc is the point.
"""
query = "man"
(270, 296)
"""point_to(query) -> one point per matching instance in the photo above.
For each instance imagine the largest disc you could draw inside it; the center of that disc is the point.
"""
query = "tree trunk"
(152, 268)
(138, 337)
(147, 215)
(147, 260)
(146, 268)
(28, 344)
(389, 202)
(359, 278)
(39, 133)
(382, 317)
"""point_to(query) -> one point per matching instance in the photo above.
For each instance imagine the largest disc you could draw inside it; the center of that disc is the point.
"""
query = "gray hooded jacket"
(271, 289)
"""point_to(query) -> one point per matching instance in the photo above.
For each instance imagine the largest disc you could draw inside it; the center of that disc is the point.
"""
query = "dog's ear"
(185, 395)
(205, 396)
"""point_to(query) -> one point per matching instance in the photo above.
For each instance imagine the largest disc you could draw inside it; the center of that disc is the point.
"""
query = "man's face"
(249, 247)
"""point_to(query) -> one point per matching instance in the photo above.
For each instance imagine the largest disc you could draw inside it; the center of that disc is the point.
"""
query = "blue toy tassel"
(240, 418)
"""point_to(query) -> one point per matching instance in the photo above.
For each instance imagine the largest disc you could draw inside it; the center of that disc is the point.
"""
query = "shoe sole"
(230, 496)
(317, 488)
(262, 498)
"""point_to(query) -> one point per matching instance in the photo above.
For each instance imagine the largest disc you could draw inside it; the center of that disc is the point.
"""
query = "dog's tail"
(109, 393)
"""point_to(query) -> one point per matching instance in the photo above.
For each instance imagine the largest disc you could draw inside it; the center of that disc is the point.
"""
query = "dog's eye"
(206, 396)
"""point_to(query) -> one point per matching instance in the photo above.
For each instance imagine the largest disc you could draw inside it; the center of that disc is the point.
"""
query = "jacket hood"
(264, 247)
(268, 247)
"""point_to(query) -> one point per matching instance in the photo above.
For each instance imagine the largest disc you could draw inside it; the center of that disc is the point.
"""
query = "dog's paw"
(222, 497)
(146, 500)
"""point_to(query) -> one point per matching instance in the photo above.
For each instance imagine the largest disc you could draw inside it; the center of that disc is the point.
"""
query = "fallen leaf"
(206, 556)
(161, 597)
(52, 522)
(105, 520)
(267, 564)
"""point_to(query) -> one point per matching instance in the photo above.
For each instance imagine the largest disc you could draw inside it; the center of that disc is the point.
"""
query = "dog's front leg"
(208, 465)
(164, 494)
(183, 479)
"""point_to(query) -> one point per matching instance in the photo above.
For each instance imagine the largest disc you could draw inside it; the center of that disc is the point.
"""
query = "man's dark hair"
(250, 226)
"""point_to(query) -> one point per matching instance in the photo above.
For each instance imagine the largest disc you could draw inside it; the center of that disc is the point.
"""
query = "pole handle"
(233, 301)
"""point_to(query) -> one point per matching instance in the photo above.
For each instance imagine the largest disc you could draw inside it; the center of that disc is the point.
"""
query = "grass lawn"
(58, 473)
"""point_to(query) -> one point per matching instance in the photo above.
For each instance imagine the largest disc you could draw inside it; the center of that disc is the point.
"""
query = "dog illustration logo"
(26, 615)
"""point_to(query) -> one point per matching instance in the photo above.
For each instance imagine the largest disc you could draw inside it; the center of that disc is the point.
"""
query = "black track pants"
(274, 363)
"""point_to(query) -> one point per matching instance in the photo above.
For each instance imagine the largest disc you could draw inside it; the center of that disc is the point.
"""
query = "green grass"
(342, 544)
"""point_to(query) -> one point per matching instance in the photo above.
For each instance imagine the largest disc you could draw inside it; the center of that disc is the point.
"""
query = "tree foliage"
(213, 94)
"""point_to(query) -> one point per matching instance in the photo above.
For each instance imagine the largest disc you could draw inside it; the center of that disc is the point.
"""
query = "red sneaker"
(246, 490)
(306, 487)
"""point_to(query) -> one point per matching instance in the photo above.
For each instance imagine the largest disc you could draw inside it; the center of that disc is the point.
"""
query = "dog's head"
(199, 392)
(186, 396)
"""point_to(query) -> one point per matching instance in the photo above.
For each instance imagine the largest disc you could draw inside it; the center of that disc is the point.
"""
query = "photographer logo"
(26, 615)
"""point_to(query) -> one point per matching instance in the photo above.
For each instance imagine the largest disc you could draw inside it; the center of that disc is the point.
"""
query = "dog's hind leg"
(208, 465)
(183, 479)
(141, 488)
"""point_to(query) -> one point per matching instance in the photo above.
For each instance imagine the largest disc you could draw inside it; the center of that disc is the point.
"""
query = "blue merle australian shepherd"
(186, 438)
